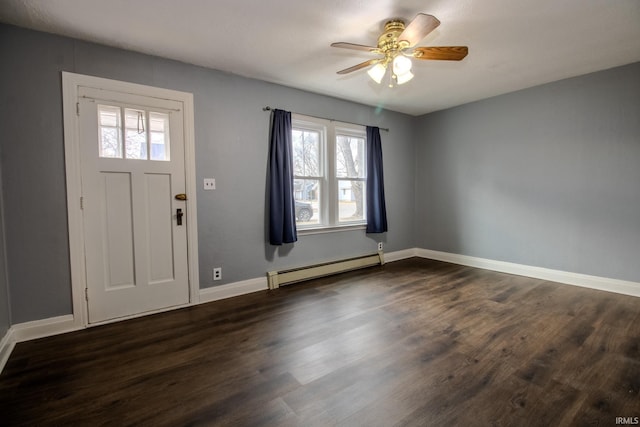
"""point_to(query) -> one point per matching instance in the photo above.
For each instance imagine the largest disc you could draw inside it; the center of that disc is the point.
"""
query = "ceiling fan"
(396, 45)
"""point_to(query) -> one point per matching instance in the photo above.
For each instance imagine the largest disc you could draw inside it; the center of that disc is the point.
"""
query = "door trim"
(70, 84)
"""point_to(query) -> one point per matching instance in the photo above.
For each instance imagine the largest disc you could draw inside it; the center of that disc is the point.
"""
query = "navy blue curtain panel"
(376, 208)
(282, 218)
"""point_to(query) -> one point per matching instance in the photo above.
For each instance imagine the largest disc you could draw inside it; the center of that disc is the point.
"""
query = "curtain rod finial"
(267, 108)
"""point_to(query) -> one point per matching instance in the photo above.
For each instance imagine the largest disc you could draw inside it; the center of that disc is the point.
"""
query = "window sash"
(343, 202)
(358, 157)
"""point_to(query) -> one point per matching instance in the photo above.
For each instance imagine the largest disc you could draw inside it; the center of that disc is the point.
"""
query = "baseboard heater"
(285, 277)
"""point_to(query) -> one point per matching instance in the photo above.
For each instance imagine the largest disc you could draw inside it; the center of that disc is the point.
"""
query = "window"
(308, 169)
(144, 136)
(350, 163)
(329, 173)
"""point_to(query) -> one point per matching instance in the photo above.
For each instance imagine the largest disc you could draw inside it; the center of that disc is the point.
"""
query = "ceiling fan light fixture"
(397, 45)
(401, 65)
(403, 78)
(377, 73)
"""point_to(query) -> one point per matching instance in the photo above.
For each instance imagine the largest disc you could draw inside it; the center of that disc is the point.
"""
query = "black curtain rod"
(267, 108)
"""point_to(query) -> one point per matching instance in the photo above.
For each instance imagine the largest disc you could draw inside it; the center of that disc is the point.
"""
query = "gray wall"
(231, 145)
(33, 173)
(548, 176)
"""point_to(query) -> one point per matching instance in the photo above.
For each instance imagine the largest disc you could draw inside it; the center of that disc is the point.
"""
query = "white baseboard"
(33, 330)
(399, 255)
(57, 325)
(44, 328)
(583, 280)
(233, 289)
(6, 347)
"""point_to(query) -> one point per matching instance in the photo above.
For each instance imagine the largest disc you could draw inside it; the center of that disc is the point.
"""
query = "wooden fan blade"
(446, 53)
(359, 66)
(418, 29)
(354, 46)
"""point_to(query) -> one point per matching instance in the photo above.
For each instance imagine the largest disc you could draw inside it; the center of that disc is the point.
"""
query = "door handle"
(179, 215)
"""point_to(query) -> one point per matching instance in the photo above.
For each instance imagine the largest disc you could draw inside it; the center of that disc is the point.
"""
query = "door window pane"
(159, 133)
(110, 131)
(135, 134)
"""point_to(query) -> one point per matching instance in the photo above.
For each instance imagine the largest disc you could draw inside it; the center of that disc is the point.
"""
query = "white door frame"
(70, 84)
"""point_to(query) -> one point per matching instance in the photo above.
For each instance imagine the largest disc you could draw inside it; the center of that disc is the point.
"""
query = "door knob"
(181, 196)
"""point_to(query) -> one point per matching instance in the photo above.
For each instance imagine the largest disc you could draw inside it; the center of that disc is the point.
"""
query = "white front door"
(133, 176)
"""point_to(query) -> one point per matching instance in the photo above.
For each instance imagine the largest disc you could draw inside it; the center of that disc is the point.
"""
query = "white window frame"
(329, 204)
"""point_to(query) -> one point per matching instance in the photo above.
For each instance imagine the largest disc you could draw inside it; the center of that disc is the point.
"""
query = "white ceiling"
(513, 44)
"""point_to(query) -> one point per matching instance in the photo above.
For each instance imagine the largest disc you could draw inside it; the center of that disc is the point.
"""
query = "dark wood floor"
(414, 343)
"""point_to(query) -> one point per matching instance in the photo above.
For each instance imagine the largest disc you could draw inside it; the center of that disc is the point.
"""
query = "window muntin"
(329, 163)
(133, 133)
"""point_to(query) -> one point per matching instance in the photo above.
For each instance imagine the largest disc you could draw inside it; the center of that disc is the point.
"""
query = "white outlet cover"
(209, 184)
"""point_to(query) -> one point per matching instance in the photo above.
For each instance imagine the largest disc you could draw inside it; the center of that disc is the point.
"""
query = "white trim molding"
(33, 330)
(44, 328)
(234, 289)
(61, 324)
(576, 279)
(399, 255)
(6, 347)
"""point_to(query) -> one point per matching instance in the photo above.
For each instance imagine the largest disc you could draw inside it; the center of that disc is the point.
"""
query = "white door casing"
(128, 255)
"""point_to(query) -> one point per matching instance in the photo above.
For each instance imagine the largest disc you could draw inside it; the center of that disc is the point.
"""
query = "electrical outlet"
(379, 246)
(209, 184)
(217, 273)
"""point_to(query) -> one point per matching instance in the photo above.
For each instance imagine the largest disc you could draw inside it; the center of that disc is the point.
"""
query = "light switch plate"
(209, 184)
